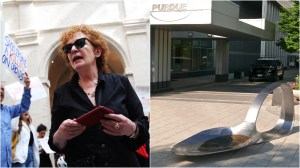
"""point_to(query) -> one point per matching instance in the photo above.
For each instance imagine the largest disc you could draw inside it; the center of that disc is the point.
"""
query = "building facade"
(35, 26)
(191, 38)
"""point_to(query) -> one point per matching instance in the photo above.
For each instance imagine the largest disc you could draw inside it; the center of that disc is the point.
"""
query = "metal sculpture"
(223, 139)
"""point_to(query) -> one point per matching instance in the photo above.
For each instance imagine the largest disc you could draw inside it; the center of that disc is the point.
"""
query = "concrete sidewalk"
(173, 120)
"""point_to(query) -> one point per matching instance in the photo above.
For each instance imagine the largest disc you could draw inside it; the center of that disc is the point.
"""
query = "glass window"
(188, 56)
(206, 43)
(196, 59)
(196, 43)
(210, 59)
(176, 42)
(175, 59)
(186, 42)
(186, 59)
(203, 65)
(181, 59)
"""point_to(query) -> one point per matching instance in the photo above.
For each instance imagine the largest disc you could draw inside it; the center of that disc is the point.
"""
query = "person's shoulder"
(63, 87)
(114, 77)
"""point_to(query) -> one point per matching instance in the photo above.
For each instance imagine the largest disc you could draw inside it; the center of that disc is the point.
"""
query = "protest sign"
(12, 58)
(44, 145)
(15, 90)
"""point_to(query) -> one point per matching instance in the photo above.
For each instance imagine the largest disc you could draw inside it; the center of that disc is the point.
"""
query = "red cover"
(94, 116)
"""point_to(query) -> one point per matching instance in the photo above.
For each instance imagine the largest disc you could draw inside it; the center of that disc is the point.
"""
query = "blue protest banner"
(13, 59)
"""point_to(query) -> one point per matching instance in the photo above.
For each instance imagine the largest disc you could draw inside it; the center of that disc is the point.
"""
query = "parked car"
(267, 68)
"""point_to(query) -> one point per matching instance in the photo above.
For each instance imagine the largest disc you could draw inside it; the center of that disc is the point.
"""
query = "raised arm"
(17, 110)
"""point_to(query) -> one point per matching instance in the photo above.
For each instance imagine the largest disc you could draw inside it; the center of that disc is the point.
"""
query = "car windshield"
(266, 63)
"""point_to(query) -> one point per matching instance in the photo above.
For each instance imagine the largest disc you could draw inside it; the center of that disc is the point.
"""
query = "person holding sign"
(113, 140)
(44, 157)
(7, 113)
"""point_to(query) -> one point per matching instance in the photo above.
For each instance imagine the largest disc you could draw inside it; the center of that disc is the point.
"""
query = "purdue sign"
(170, 11)
(169, 7)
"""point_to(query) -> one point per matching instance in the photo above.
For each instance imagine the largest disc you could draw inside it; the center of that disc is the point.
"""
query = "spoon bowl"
(222, 139)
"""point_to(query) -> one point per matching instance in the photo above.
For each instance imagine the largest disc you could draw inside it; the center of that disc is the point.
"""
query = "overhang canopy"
(213, 17)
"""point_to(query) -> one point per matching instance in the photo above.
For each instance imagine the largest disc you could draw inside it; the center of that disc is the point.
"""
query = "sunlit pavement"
(177, 115)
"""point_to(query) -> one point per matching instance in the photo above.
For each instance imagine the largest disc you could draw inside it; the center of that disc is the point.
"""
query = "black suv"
(266, 68)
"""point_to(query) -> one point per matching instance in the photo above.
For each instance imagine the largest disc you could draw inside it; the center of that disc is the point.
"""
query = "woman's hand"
(67, 130)
(70, 129)
(118, 125)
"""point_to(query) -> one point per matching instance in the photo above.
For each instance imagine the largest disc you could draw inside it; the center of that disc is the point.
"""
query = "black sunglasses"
(78, 44)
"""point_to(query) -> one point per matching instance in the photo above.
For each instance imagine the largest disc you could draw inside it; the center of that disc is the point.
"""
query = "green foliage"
(289, 26)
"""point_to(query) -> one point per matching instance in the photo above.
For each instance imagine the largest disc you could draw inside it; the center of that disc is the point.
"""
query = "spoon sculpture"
(221, 139)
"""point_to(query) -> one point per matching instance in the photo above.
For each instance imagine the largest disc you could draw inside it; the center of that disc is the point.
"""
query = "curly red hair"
(94, 36)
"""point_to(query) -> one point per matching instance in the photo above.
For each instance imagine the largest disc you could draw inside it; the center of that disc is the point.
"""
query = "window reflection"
(191, 55)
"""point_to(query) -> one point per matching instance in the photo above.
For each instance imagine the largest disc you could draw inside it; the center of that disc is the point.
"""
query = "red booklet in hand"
(94, 116)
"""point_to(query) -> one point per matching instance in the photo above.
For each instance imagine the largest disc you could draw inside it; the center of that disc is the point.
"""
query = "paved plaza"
(187, 110)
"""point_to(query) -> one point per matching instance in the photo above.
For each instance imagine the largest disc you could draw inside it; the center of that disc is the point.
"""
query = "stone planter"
(296, 94)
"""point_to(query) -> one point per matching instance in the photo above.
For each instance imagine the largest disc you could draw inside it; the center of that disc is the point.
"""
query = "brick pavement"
(172, 121)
